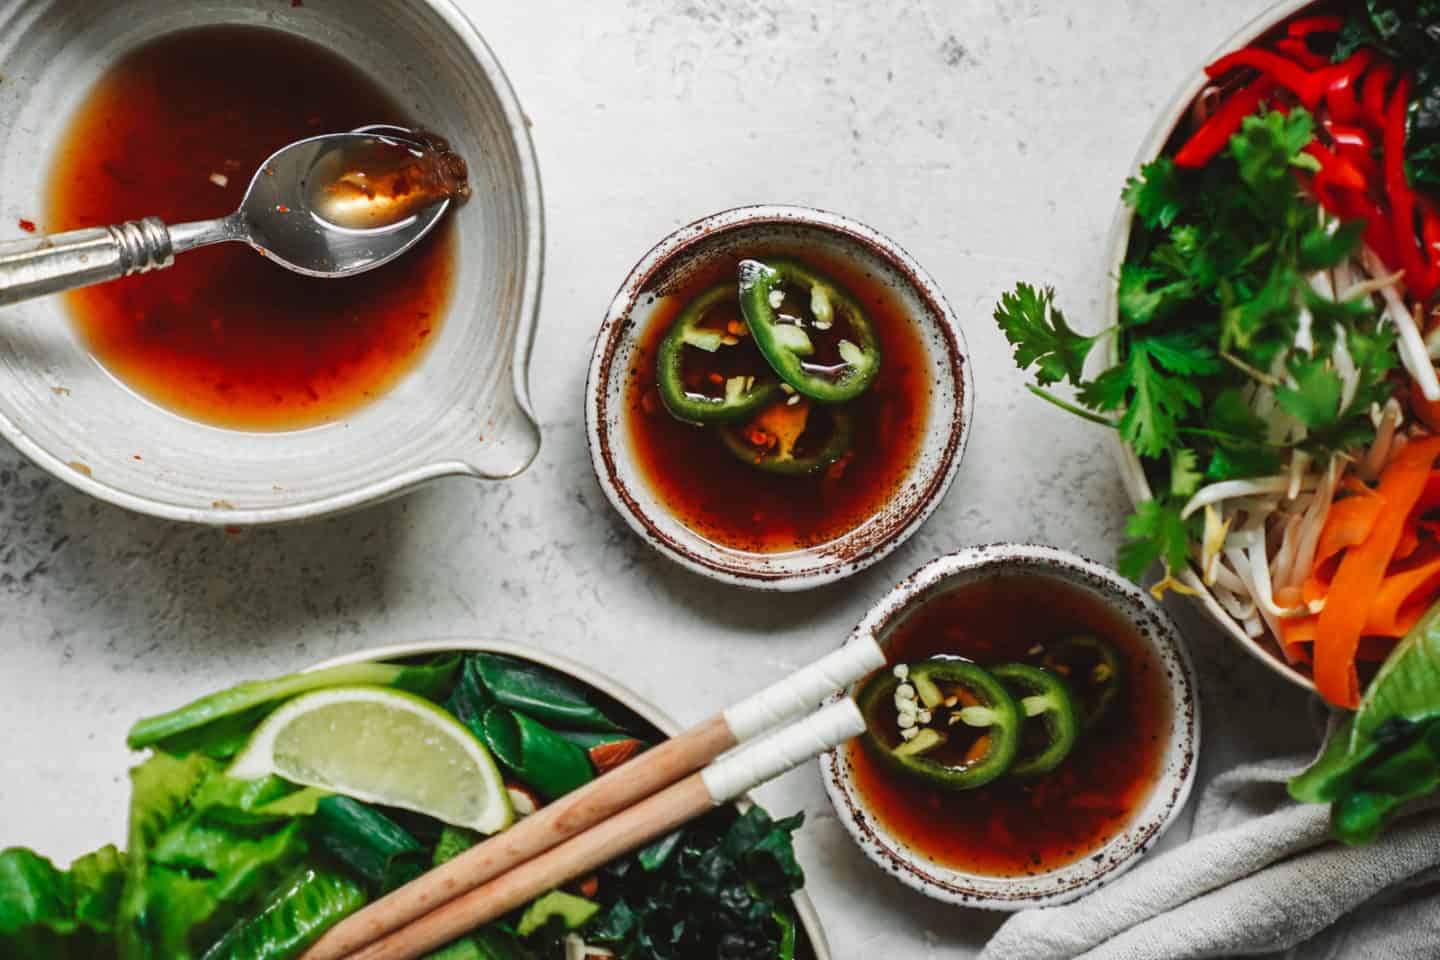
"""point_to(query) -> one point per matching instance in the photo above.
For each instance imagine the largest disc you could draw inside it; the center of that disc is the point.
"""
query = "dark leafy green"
(722, 891)
(1388, 752)
(372, 845)
(1210, 301)
(535, 754)
(538, 692)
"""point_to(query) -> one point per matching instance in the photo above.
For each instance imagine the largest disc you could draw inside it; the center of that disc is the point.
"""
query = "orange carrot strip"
(1409, 543)
(1397, 591)
(1348, 523)
(1289, 596)
(1297, 636)
(1337, 635)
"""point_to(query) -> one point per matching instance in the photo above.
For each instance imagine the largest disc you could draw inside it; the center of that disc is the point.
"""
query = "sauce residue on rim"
(735, 505)
(1014, 827)
(223, 337)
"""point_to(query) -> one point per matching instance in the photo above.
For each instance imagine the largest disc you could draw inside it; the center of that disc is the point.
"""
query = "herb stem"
(1069, 407)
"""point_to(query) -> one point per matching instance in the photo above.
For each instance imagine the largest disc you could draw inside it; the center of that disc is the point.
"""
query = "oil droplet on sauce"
(223, 336)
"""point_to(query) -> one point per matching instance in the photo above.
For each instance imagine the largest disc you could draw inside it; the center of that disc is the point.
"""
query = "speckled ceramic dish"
(464, 408)
(664, 270)
(1165, 799)
(647, 712)
(1262, 648)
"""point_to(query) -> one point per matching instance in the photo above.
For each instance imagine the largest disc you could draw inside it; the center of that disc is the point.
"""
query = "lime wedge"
(385, 746)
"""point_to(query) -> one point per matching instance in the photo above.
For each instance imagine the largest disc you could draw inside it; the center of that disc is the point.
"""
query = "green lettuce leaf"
(47, 912)
(203, 848)
(1388, 752)
(291, 918)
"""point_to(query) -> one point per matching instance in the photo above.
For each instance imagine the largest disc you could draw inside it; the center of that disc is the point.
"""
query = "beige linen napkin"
(1259, 877)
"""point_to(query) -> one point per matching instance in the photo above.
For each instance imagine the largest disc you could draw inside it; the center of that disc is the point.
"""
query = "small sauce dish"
(1049, 738)
(873, 450)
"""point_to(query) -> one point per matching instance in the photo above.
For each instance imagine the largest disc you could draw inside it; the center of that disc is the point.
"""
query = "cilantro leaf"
(1156, 195)
(1157, 402)
(1315, 398)
(1139, 301)
(1184, 352)
(1156, 532)
(1327, 243)
(1265, 150)
(1041, 337)
(1185, 474)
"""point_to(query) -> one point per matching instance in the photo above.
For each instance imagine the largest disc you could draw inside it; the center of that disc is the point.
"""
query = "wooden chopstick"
(602, 798)
(628, 830)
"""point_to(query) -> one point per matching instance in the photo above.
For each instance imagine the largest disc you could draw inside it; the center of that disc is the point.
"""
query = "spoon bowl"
(295, 214)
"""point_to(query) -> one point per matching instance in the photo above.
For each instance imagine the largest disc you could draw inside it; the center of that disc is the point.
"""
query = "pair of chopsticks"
(661, 789)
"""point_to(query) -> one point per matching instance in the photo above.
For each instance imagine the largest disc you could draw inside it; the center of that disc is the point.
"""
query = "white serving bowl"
(947, 427)
(463, 410)
(1132, 473)
(1166, 799)
(627, 698)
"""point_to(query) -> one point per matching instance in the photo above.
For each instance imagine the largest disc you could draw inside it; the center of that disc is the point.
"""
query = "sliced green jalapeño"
(1094, 670)
(788, 346)
(768, 442)
(743, 397)
(956, 694)
(1051, 724)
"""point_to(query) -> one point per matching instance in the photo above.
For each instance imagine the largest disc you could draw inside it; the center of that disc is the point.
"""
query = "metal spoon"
(328, 206)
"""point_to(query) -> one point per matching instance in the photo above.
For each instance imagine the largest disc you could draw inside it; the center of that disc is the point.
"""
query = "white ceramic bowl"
(627, 698)
(1262, 648)
(464, 409)
(1165, 801)
(945, 433)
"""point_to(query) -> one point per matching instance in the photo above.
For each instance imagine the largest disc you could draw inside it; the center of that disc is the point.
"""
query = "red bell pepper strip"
(1340, 96)
(1430, 243)
(1349, 137)
(1400, 193)
(1336, 170)
(1373, 94)
(1299, 51)
(1216, 131)
(1308, 85)
(1305, 26)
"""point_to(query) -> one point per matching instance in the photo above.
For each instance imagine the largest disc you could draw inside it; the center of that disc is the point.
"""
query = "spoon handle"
(36, 266)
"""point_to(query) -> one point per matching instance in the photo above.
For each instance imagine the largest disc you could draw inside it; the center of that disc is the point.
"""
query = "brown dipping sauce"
(1015, 827)
(738, 506)
(174, 131)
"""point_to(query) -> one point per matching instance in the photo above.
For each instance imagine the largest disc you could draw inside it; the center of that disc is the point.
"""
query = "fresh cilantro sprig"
(1211, 303)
